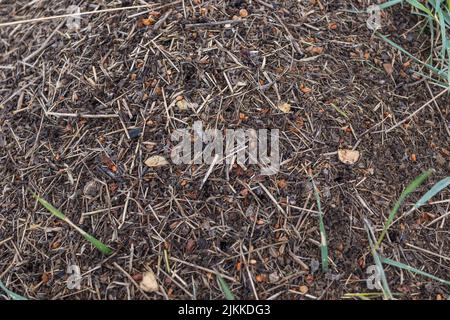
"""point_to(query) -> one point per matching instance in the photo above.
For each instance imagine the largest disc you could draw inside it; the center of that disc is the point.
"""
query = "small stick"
(428, 251)
(81, 115)
(204, 269)
(439, 219)
(212, 24)
(162, 20)
(272, 198)
(130, 278)
(417, 111)
(213, 163)
(67, 15)
(268, 5)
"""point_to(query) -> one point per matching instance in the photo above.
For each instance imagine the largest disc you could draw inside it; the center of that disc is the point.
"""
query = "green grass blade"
(11, 294)
(414, 270)
(225, 288)
(376, 258)
(395, 45)
(409, 189)
(339, 110)
(443, 29)
(323, 235)
(389, 4)
(96, 243)
(438, 15)
(438, 187)
(49, 207)
(448, 70)
(420, 6)
(434, 81)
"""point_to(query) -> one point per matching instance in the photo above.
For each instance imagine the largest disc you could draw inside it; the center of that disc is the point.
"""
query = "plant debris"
(348, 156)
(87, 116)
(149, 282)
(156, 161)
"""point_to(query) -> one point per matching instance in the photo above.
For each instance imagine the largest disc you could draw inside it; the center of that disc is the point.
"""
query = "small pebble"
(135, 133)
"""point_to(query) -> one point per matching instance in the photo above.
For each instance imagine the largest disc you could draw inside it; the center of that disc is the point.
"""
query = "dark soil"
(81, 111)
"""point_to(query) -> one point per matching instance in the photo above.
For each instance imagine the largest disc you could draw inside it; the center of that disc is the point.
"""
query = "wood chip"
(182, 105)
(149, 283)
(304, 289)
(315, 50)
(284, 107)
(348, 156)
(156, 161)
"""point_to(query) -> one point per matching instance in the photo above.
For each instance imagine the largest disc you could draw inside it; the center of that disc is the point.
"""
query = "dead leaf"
(158, 91)
(445, 152)
(156, 161)
(315, 50)
(147, 22)
(284, 107)
(149, 283)
(260, 278)
(137, 277)
(243, 116)
(332, 26)
(45, 277)
(281, 184)
(244, 192)
(388, 68)
(55, 245)
(348, 156)
(113, 187)
(190, 245)
(182, 104)
(305, 89)
(243, 13)
(304, 289)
